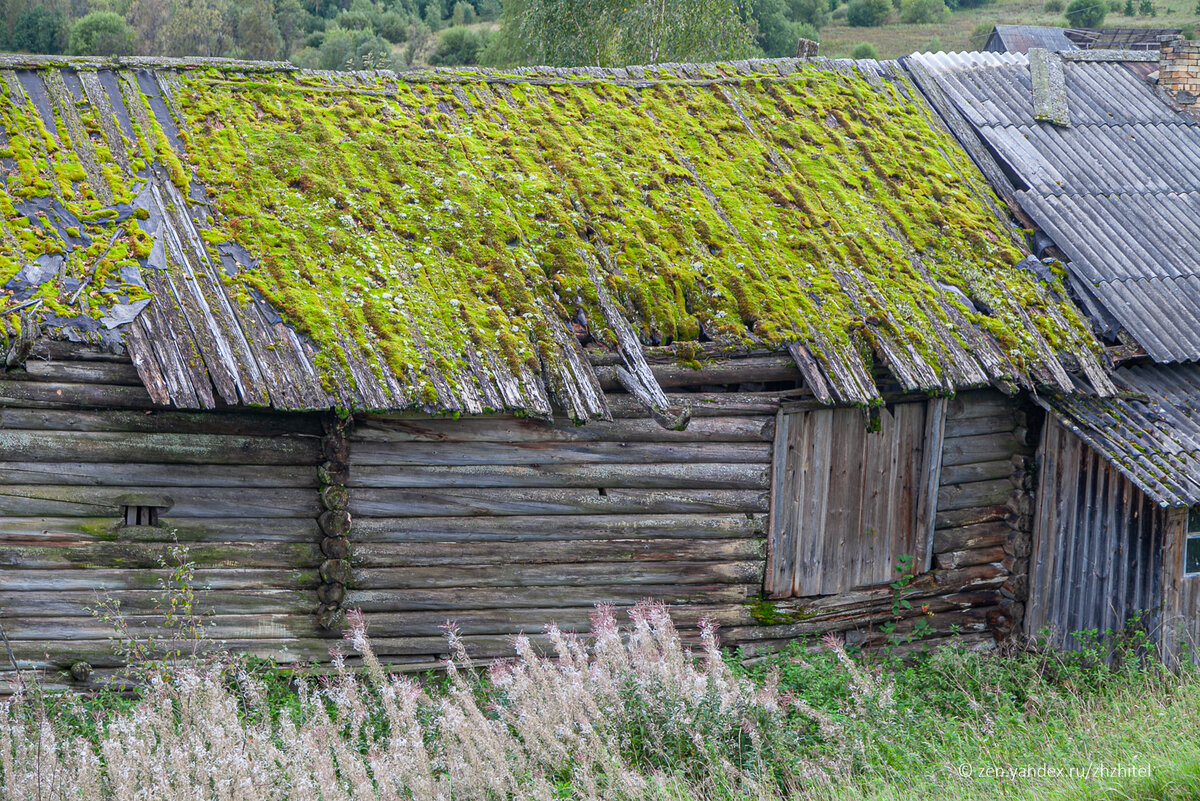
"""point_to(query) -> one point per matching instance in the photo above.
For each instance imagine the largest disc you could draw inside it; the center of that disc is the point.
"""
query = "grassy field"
(967, 29)
(625, 714)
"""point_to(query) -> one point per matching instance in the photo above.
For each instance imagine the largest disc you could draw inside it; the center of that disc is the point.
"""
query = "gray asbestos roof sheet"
(1151, 433)
(1118, 191)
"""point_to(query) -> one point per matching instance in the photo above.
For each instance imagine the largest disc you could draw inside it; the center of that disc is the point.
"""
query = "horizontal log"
(428, 503)
(215, 627)
(947, 518)
(102, 579)
(194, 502)
(479, 554)
(976, 493)
(449, 599)
(142, 555)
(372, 428)
(95, 446)
(78, 372)
(164, 421)
(632, 476)
(982, 448)
(977, 471)
(979, 535)
(64, 350)
(978, 403)
(722, 371)
(993, 424)
(538, 527)
(541, 453)
(125, 474)
(42, 394)
(36, 530)
(974, 556)
(709, 404)
(581, 574)
(76, 603)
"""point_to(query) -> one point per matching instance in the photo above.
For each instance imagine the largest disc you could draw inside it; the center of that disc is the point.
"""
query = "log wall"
(500, 524)
(79, 438)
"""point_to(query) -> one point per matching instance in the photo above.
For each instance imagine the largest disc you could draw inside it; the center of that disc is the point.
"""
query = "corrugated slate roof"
(370, 240)
(1118, 190)
(1151, 432)
(1022, 38)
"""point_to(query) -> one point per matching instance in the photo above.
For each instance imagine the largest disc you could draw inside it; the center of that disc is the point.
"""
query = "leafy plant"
(868, 13)
(1087, 13)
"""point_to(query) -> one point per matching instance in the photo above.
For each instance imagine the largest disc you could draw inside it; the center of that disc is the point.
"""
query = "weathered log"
(970, 515)
(448, 600)
(519, 528)
(334, 497)
(79, 372)
(714, 372)
(526, 430)
(389, 555)
(190, 502)
(165, 421)
(629, 476)
(336, 571)
(979, 535)
(975, 556)
(150, 555)
(983, 448)
(66, 603)
(333, 473)
(103, 579)
(119, 474)
(335, 523)
(560, 574)
(335, 547)
(423, 503)
(977, 471)
(39, 394)
(541, 453)
(977, 494)
(332, 595)
(95, 446)
(69, 530)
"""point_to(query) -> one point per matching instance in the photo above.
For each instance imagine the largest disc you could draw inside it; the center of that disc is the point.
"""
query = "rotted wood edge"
(333, 475)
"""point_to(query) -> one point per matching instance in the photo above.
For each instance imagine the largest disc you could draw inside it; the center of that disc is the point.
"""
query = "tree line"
(408, 34)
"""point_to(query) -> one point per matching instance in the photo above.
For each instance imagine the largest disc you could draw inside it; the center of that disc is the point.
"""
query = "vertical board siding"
(1099, 545)
(848, 499)
(243, 501)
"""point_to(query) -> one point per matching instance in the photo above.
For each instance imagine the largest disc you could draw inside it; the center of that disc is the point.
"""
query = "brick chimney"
(1179, 69)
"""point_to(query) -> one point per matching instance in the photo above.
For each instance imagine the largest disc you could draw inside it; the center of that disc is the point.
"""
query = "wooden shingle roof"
(256, 234)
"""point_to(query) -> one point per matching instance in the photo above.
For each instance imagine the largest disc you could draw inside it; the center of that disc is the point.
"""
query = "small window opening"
(1191, 550)
(141, 515)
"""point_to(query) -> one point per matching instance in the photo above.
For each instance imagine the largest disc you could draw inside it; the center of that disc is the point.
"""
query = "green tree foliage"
(611, 32)
(40, 30)
(774, 31)
(1146, 9)
(458, 45)
(101, 33)
(922, 11)
(1086, 13)
(809, 12)
(864, 50)
(343, 49)
(1056, 6)
(868, 13)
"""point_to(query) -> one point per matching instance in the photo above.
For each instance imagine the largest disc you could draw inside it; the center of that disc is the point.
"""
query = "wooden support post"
(335, 522)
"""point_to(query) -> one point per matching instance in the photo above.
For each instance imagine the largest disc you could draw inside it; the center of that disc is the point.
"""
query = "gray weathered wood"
(504, 501)
(427, 454)
(630, 476)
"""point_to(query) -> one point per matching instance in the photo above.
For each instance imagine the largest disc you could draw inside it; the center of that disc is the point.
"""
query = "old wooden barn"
(1098, 152)
(498, 347)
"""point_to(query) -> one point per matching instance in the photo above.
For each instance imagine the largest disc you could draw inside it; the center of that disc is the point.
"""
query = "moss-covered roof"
(369, 240)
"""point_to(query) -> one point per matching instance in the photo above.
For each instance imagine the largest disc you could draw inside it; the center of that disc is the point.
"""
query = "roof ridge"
(714, 70)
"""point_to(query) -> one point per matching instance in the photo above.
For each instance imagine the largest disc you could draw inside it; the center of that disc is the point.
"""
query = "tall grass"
(627, 713)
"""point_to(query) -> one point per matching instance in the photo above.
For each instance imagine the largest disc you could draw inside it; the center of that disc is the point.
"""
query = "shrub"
(868, 13)
(457, 45)
(1087, 13)
(101, 33)
(1054, 6)
(864, 50)
(923, 11)
(1146, 9)
(810, 12)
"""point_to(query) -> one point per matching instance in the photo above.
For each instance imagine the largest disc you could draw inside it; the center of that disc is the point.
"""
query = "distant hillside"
(968, 29)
